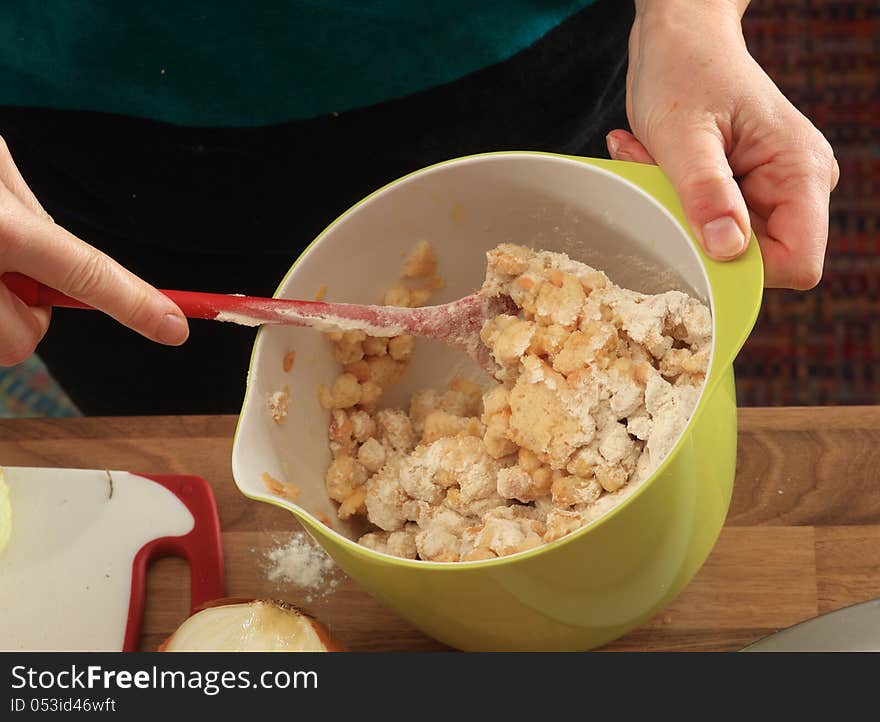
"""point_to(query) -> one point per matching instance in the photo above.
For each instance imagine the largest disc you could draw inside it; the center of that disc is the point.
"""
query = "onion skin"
(329, 644)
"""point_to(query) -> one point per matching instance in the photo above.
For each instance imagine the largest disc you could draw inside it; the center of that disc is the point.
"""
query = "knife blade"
(851, 629)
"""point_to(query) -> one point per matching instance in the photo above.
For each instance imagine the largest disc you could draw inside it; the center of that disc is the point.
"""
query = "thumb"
(694, 160)
(623, 145)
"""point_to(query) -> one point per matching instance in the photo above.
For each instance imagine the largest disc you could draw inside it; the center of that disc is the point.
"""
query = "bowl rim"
(314, 526)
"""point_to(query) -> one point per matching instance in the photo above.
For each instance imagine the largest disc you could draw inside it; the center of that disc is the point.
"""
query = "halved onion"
(257, 625)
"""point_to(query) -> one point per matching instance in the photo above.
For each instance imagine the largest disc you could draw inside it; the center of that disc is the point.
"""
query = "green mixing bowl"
(610, 576)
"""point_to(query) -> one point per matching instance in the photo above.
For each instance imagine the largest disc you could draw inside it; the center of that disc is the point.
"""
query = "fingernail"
(613, 144)
(172, 330)
(723, 237)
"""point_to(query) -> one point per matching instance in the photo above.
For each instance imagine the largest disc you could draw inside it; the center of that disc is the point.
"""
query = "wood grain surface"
(802, 536)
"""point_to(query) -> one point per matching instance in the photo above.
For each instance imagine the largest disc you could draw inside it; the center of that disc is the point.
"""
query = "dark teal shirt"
(232, 63)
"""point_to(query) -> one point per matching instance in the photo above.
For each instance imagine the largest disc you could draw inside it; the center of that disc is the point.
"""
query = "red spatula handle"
(34, 293)
(193, 304)
(253, 310)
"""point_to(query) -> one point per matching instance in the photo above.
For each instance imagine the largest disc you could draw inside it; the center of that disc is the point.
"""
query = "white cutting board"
(66, 575)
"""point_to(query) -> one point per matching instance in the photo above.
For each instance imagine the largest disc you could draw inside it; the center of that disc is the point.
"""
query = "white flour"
(327, 322)
(239, 318)
(302, 563)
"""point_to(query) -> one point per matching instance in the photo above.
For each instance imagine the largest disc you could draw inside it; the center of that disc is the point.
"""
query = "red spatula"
(457, 324)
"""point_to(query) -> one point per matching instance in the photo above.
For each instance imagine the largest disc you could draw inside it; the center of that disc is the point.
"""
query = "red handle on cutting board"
(202, 548)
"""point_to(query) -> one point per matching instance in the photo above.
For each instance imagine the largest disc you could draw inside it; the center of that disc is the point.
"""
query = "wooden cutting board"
(801, 539)
(73, 574)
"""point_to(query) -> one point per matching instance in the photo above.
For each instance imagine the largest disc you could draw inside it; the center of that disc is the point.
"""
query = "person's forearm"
(684, 18)
(645, 6)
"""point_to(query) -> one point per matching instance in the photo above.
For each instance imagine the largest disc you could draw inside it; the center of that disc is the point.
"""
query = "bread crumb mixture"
(596, 384)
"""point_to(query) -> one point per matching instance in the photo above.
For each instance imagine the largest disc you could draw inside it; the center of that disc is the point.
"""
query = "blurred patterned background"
(821, 347)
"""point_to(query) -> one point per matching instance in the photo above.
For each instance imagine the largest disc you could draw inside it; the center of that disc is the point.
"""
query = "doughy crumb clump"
(596, 384)
(279, 403)
(280, 488)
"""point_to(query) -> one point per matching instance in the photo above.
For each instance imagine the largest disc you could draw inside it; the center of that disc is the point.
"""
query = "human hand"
(704, 110)
(32, 244)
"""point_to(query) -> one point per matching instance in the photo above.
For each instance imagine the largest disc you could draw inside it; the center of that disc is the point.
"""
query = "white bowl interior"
(464, 208)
